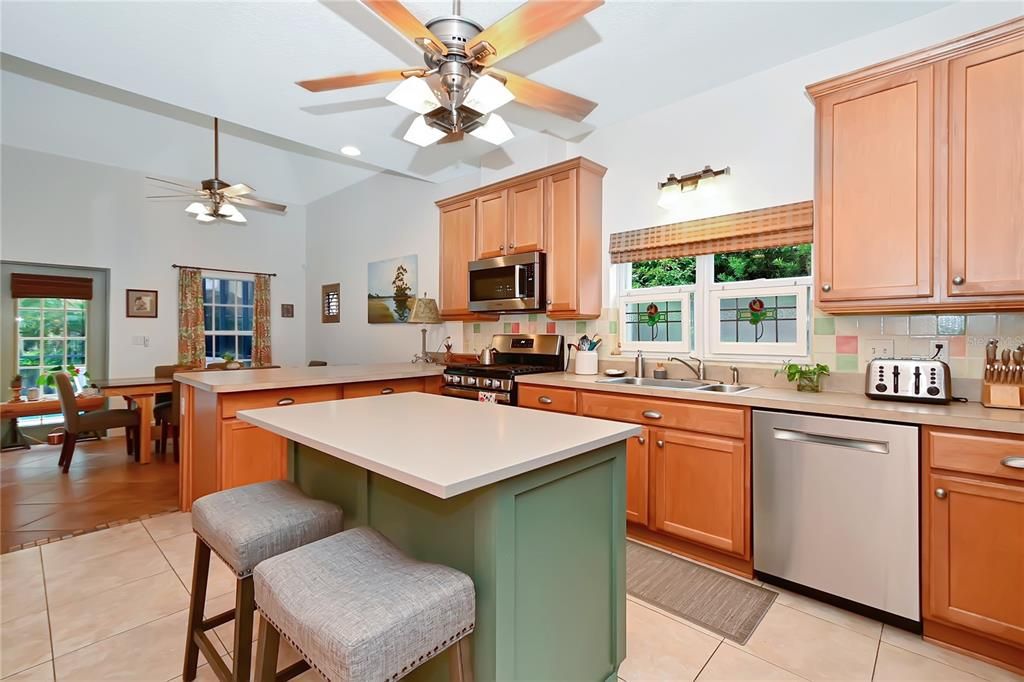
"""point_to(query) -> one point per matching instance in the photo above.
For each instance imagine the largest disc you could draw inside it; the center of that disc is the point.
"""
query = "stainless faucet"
(735, 375)
(638, 365)
(698, 370)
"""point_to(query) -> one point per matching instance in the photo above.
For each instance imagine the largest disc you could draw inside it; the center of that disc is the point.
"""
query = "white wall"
(383, 217)
(63, 211)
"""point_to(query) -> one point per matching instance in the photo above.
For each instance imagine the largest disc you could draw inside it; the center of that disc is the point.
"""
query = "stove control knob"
(469, 381)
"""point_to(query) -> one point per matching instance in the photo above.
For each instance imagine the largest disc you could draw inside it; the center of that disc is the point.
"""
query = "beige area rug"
(725, 605)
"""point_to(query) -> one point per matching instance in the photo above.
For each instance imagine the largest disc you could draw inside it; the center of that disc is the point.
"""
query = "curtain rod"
(241, 272)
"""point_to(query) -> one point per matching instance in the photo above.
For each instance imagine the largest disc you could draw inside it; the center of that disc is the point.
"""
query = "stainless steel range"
(516, 354)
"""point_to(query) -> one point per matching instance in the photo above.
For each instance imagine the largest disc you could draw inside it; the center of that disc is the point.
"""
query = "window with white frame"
(749, 305)
(51, 334)
(228, 314)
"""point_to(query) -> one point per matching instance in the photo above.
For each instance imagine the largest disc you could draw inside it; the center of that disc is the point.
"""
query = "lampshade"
(495, 130)
(487, 94)
(205, 218)
(197, 208)
(415, 95)
(422, 134)
(229, 212)
(669, 195)
(425, 312)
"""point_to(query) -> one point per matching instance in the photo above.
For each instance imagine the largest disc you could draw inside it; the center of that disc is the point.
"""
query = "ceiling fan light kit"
(459, 88)
(671, 190)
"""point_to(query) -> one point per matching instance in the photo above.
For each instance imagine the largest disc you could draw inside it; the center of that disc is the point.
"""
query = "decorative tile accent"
(613, 327)
(896, 325)
(825, 326)
(507, 327)
(532, 317)
(476, 328)
(982, 325)
(551, 328)
(923, 325)
(581, 327)
(846, 344)
(846, 363)
(958, 347)
(951, 325)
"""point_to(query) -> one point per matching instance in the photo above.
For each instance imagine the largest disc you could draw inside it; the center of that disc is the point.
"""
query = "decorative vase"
(233, 365)
(810, 384)
(34, 393)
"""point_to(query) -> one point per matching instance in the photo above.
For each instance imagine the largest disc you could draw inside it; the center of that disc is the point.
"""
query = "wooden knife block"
(1007, 396)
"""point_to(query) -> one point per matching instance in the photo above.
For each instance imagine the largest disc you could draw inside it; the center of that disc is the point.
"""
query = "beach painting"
(391, 287)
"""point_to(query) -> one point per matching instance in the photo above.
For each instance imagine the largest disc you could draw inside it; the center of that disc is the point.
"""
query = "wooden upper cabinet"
(561, 242)
(986, 172)
(491, 224)
(874, 237)
(458, 238)
(526, 217)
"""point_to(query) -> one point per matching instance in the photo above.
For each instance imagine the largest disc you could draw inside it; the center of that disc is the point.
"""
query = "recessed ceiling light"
(349, 150)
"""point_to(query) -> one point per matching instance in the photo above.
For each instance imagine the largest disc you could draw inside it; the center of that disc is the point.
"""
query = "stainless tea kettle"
(488, 355)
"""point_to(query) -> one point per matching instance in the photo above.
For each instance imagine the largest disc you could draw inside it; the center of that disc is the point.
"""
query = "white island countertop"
(232, 380)
(442, 446)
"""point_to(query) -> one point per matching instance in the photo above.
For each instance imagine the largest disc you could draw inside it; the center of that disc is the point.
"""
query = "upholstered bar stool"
(244, 526)
(356, 608)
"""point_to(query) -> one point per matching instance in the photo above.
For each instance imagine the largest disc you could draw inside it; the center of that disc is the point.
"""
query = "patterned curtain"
(191, 327)
(261, 323)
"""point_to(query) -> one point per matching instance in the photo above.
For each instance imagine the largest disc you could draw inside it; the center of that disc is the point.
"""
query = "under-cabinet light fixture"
(672, 188)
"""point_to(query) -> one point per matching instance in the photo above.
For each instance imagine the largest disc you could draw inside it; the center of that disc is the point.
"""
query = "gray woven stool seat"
(246, 525)
(356, 608)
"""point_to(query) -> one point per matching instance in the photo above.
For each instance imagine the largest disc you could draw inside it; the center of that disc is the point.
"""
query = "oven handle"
(520, 270)
(877, 447)
(471, 394)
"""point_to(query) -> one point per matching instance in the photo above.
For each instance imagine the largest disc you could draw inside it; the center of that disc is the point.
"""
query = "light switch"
(140, 341)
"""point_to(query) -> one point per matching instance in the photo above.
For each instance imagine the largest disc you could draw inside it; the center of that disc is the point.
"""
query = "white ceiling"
(239, 60)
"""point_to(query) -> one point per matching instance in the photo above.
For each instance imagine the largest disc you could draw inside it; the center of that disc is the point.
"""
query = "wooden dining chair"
(76, 424)
(168, 416)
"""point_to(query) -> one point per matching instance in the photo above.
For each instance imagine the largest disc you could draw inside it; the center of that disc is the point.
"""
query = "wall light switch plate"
(940, 346)
(876, 348)
(139, 341)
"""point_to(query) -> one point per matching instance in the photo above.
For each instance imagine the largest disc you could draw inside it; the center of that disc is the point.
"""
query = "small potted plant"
(230, 362)
(807, 377)
(48, 377)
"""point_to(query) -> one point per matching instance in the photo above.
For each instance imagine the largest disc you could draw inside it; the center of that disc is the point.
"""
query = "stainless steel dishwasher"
(836, 508)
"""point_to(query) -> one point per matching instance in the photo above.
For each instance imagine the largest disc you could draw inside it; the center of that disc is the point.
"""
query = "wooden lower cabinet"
(638, 477)
(371, 388)
(974, 543)
(251, 454)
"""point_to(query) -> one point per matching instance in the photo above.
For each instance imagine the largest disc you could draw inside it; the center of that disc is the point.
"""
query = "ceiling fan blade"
(171, 182)
(174, 196)
(533, 94)
(451, 137)
(352, 80)
(258, 203)
(527, 24)
(405, 23)
(237, 190)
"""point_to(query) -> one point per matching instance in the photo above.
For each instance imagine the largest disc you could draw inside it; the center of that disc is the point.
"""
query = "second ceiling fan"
(458, 90)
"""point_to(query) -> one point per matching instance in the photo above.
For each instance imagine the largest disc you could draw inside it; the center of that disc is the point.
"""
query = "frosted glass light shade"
(669, 195)
(495, 130)
(415, 95)
(422, 134)
(205, 218)
(487, 94)
(197, 208)
(229, 212)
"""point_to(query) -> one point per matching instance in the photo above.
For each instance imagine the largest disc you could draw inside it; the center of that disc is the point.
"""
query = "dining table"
(11, 411)
(143, 391)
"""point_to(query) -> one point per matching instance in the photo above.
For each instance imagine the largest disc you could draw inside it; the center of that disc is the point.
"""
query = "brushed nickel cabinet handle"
(958, 280)
(286, 401)
(544, 400)
(661, 443)
(826, 288)
(940, 493)
(641, 439)
(651, 414)
(387, 390)
(1014, 462)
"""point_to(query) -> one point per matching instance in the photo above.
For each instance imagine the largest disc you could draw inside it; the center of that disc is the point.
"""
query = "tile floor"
(103, 486)
(113, 604)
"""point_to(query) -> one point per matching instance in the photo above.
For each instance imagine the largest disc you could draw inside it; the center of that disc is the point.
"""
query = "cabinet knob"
(958, 280)
(387, 390)
(1014, 462)
(940, 493)
(826, 288)
(652, 414)
(544, 400)
(641, 440)
(549, 301)
(511, 246)
(286, 401)
(501, 247)
(661, 443)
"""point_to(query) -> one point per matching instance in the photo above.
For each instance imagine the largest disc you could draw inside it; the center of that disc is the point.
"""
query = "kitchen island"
(531, 505)
(220, 451)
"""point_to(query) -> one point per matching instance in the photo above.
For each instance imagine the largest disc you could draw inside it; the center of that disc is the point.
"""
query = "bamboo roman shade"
(766, 227)
(26, 285)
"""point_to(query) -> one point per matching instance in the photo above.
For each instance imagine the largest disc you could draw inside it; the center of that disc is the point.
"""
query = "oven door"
(502, 397)
(507, 283)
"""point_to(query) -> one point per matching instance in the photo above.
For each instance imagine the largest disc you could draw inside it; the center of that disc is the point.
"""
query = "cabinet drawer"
(368, 388)
(230, 403)
(977, 452)
(545, 398)
(669, 414)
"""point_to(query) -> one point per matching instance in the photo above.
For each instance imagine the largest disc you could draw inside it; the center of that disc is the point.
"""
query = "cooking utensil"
(487, 355)
(1004, 367)
(584, 342)
(1018, 360)
(595, 342)
(990, 359)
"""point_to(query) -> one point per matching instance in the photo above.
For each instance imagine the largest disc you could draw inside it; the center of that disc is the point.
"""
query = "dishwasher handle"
(874, 446)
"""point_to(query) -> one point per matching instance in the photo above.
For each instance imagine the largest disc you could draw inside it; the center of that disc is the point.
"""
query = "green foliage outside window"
(780, 262)
(667, 272)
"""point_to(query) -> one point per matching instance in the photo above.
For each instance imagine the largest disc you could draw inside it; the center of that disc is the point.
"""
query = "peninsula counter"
(529, 504)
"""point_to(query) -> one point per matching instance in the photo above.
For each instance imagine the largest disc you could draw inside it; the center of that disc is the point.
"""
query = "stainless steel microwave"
(507, 283)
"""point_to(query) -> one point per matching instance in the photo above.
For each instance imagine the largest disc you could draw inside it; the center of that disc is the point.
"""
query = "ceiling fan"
(459, 90)
(216, 198)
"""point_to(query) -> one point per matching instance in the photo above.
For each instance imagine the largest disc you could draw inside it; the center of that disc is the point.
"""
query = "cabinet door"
(561, 241)
(700, 490)
(975, 555)
(457, 250)
(526, 217)
(491, 224)
(986, 172)
(637, 462)
(250, 455)
(875, 190)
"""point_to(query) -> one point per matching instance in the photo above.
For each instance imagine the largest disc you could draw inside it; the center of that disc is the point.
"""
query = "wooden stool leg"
(68, 449)
(460, 661)
(245, 606)
(196, 608)
(266, 652)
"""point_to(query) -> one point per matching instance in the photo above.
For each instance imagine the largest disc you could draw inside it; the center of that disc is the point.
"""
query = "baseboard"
(974, 645)
(727, 562)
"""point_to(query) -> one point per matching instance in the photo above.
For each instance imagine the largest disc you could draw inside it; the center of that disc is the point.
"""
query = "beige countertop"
(231, 380)
(957, 415)
(493, 443)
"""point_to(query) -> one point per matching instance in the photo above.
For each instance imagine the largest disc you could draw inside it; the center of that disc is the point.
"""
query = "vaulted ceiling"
(239, 60)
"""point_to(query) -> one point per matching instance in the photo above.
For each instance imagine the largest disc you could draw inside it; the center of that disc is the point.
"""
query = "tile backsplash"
(843, 342)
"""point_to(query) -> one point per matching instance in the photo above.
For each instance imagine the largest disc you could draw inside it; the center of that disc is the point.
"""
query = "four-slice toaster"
(910, 379)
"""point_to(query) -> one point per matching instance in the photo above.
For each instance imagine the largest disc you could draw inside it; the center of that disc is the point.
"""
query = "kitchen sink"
(724, 388)
(681, 384)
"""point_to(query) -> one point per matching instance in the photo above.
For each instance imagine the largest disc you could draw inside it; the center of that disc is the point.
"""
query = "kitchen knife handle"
(1014, 462)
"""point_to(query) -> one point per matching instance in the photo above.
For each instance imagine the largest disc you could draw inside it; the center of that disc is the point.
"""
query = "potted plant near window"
(230, 362)
(807, 377)
(48, 377)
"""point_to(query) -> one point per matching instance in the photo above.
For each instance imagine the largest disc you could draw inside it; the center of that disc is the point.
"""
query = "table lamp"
(424, 312)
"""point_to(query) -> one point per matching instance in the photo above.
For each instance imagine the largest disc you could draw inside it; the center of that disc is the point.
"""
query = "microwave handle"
(520, 271)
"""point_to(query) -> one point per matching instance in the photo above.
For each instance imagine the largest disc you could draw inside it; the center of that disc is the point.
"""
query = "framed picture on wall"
(287, 310)
(140, 303)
